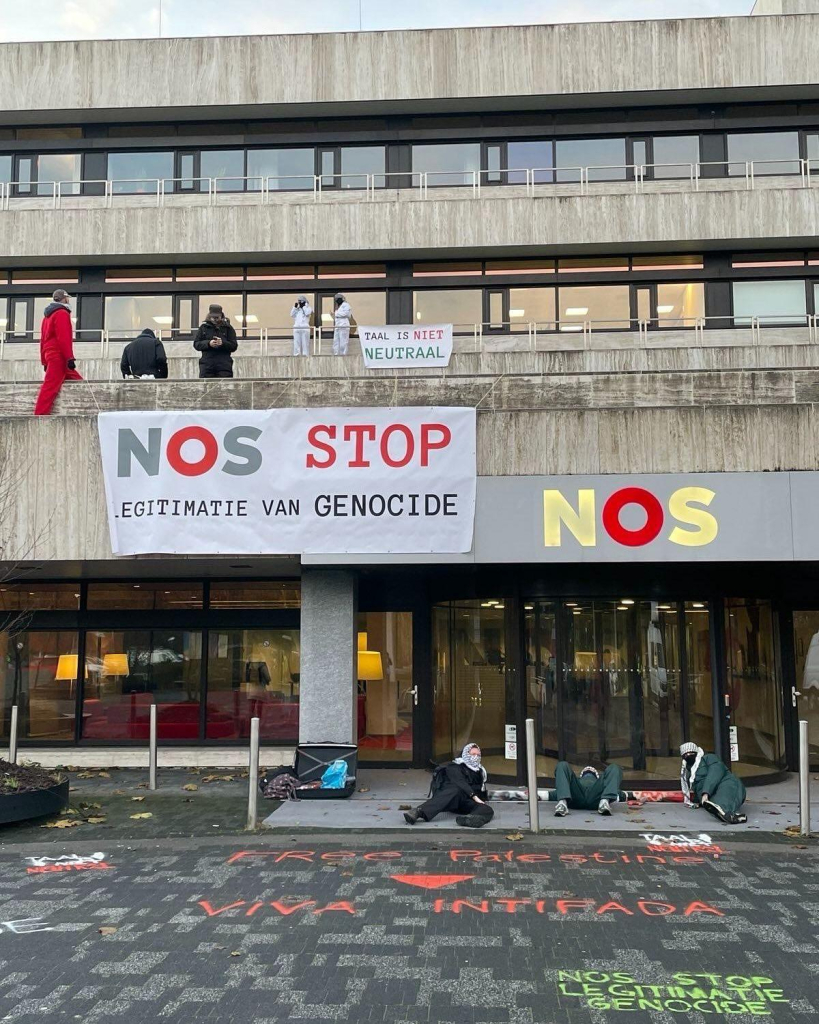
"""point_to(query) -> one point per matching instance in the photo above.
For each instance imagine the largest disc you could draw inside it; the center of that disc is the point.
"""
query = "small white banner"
(290, 481)
(395, 345)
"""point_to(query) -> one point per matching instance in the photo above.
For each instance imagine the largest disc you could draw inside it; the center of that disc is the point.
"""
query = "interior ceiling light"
(576, 310)
(167, 320)
(571, 327)
(627, 600)
(517, 312)
(665, 309)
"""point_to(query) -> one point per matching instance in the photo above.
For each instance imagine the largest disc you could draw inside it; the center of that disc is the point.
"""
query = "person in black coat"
(215, 339)
(460, 787)
(145, 357)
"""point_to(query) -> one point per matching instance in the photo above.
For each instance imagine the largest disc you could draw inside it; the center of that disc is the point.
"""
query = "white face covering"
(687, 775)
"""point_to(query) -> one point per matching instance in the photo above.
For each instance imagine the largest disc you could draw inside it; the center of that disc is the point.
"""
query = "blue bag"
(335, 777)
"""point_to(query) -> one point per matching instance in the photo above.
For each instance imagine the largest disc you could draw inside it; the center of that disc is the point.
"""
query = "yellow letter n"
(580, 523)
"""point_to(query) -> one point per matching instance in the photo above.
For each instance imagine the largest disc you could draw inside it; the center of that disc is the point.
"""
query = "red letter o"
(209, 456)
(632, 496)
(399, 428)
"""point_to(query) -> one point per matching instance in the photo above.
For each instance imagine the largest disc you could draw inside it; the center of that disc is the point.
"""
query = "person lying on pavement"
(707, 782)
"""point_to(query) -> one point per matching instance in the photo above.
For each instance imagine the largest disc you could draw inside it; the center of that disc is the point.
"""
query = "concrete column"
(328, 681)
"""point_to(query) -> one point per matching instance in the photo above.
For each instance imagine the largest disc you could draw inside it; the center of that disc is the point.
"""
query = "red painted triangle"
(431, 881)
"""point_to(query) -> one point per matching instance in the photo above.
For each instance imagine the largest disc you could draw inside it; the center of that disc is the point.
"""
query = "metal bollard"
(13, 736)
(531, 776)
(152, 750)
(253, 774)
(804, 779)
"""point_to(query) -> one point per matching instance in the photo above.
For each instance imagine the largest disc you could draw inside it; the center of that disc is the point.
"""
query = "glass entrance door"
(621, 682)
(806, 661)
(387, 693)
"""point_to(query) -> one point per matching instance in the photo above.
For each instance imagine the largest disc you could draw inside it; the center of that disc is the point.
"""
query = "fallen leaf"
(142, 785)
(515, 836)
(363, 789)
(191, 787)
(95, 821)
(137, 799)
(71, 810)
(103, 775)
(88, 807)
(85, 775)
(384, 808)
(119, 792)
(139, 817)
(405, 807)
(799, 846)
(106, 929)
(61, 823)
(236, 952)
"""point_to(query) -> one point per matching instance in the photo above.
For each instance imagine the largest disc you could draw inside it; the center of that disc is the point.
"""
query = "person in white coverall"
(300, 315)
(341, 320)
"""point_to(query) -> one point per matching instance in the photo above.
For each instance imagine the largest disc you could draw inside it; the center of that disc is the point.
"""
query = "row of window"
(148, 596)
(564, 308)
(347, 167)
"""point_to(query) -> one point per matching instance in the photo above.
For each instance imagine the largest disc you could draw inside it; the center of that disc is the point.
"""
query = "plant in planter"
(28, 791)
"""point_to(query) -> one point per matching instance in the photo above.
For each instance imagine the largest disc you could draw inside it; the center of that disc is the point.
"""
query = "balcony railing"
(533, 336)
(534, 182)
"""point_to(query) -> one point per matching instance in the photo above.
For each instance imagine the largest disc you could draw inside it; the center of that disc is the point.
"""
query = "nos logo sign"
(630, 516)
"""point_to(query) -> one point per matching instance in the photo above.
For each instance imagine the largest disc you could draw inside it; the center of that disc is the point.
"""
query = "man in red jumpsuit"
(56, 351)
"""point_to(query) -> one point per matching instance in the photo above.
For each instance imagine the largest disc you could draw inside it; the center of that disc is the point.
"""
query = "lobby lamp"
(369, 668)
(67, 669)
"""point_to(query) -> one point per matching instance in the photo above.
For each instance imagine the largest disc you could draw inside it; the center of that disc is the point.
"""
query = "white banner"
(290, 481)
(395, 345)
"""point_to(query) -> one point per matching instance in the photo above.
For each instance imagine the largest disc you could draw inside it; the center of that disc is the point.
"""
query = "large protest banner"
(290, 481)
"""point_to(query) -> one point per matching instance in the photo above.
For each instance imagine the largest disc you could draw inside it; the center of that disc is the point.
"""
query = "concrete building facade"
(619, 220)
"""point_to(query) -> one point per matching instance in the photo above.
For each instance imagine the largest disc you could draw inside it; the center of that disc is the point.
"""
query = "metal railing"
(534, 180)
(690, 330)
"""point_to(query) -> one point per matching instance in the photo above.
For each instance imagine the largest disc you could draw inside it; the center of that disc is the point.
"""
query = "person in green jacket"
(592, 791)
(707, 782)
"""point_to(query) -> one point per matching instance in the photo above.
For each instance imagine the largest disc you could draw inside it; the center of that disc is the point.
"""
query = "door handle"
(794, 694)
(414, 692)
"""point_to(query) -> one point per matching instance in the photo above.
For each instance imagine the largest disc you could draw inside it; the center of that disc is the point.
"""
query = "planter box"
(36, 804)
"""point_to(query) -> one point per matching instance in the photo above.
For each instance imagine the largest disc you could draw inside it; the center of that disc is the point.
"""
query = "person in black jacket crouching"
(461, 787)
(215, 339)
(145, 357)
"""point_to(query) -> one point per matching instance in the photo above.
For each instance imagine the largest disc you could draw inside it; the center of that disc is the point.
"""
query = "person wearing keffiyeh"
(459, 786)
(707, 782)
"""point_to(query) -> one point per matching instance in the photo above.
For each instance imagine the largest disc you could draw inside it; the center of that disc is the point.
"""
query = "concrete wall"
(607, 352)
(733, 421)
(421, 69)
(786, 7)
(484, 226)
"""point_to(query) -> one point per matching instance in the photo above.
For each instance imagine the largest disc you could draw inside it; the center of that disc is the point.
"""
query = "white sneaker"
(604, 807)
(561, 809)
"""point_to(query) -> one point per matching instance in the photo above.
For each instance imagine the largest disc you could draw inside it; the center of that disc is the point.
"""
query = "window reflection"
(674, 155)
(38, 673)
(531, 305)
(146, 596)
(62, 168)
(386, 704)
(138, 166)
(470, 668)
(127, 315)
(16, 597)
(360, 161)
(5, 169)
(447, 163)
(607, 306)
(605, 159)
(253, 673)
(772, 152)
(272, 594)
(781, 302)
(462, 307)
(272, 311)
(753, 683)
(226, 164)
(286, 169)
(536, 156)
(680, 305)
(128, 670)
